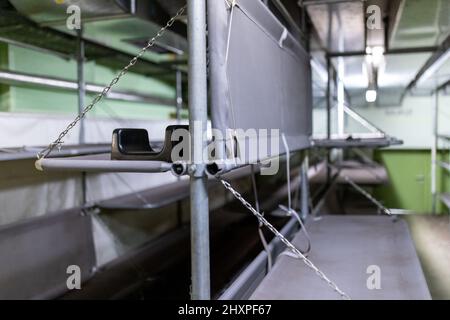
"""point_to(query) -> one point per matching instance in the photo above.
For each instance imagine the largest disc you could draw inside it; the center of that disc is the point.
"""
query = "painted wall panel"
(410, 180)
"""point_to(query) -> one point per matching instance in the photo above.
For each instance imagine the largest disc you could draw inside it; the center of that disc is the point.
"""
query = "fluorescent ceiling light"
(371, 96)
(377, 51)
(375, 55)
(378, 55)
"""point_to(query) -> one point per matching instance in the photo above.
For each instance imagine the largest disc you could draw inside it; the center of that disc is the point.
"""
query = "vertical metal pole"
(81, 100)
(198, 124)
(303, 22)
(179, 97)
(81, 81)
(434, 153)
(341, 101)
(304, 189)
(340, 104)
(328, 115)
(329, 98)
(179, 89)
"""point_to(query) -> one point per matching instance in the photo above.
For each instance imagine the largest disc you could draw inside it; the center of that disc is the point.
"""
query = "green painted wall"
(38, 100)
(410, 180)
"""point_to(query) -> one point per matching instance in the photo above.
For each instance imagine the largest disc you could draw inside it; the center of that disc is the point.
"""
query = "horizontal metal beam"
(391, 51)
(444, 137)
(288, 17)
(29, 153)
(307, 3)
(438, 54)
(444, 165)
(443, 86)
(25, 79)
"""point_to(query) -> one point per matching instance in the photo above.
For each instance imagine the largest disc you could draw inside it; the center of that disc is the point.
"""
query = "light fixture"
(371, 95)
(378, 55)
(374, 62)
(375, 55)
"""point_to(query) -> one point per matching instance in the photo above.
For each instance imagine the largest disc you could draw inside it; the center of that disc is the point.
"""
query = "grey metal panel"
(266, 81)
(149, 199)
(343, 247)
(35, 254)
(164, 195)
(131, 270)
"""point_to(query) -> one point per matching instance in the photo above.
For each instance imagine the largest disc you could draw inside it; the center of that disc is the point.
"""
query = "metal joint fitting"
(197, 170)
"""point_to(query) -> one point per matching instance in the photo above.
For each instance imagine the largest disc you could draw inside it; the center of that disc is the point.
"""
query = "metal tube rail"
(100, 163)
(81, 101)
(15, 78)
(81, 81)
(434, 148)
(304, 189)
(200, 264)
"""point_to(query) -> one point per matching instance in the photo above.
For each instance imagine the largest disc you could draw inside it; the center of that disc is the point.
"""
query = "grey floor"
(431, 235)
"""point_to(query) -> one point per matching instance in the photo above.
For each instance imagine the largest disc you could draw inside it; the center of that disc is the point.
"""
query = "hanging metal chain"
(363, 192)
(283, 239)
(59, 141)
(368, 196)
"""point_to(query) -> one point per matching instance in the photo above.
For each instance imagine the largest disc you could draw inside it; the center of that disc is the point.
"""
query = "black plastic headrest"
(133, 140)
